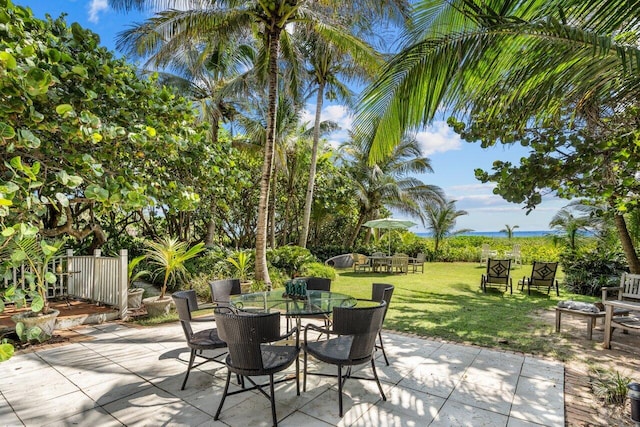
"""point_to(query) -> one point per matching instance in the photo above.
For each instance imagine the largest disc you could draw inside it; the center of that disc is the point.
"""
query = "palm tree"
(169, 255)
(440, 219)
(329, 62)
(388, 183)
(529, 61)
(503, 58)
(571, 225)
(509, 230)
(228, 20)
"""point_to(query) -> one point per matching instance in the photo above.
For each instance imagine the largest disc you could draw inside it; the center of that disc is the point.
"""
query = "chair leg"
(304, 379)
(384, 354)
(375, 374)
(297, 375)
(272, 394)
(340, 389)
(191, 359)
(224, 395)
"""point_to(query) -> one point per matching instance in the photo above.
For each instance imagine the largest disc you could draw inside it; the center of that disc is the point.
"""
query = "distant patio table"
(380, 262)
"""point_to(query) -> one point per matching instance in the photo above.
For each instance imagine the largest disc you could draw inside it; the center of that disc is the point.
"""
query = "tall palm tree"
(440, 219)
(328, 63)
(267, 21)
(388, 183)
(509, 230)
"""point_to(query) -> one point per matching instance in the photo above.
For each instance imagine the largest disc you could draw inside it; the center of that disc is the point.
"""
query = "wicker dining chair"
(207, 339)
(355, 330)
(251, 340)
(221, 290)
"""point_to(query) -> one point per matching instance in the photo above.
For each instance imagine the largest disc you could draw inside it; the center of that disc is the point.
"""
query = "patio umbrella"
(389, 224)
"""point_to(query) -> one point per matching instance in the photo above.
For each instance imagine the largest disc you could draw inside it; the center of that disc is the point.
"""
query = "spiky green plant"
(241, 263)
(169, 256)
(610, 386)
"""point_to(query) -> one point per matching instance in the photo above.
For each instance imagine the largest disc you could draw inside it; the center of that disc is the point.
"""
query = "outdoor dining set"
(258, 344)
(378, 262)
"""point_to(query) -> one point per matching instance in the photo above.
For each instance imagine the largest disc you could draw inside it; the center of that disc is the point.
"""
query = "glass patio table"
(315, 303)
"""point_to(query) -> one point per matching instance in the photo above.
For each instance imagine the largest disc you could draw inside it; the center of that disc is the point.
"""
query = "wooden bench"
(628, 294)
(589, 315)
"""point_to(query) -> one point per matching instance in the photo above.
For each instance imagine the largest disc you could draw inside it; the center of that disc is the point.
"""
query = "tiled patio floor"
(132, 376)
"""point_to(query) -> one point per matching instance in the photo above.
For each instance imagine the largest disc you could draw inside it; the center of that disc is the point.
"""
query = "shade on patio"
(389, 224)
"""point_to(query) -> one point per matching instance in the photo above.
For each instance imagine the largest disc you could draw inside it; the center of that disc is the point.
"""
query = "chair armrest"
(608, 289)
(318, 329)
(292, 331)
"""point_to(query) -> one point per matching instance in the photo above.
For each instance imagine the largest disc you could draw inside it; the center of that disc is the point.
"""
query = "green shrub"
(290, 258)
(200, 284)
(587, 272)
(317, 269)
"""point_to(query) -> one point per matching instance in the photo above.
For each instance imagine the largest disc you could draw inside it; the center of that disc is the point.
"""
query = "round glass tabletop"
(315, 302)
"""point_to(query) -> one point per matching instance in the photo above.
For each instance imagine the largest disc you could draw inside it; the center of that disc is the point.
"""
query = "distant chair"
(197, 342)
(486, 253)
(543, 275)
(221, 291)
(515, 255)
(361, 262)
(418, 262)
(497, 274)
(399, 263)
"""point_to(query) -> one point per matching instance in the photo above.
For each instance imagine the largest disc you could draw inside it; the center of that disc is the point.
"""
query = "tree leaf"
(6, 351)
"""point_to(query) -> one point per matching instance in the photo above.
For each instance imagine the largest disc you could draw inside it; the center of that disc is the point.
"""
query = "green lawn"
(446, 302)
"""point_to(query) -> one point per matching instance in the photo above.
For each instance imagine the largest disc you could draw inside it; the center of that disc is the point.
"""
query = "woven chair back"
(363, 324)
(221, 290)
(244, 333)
(317, 283)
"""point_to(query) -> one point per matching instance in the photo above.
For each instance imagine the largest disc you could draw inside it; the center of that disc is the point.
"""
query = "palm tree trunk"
(354, 236)
(262, 273)
(308, 201)
(627, 244)
(272, 208)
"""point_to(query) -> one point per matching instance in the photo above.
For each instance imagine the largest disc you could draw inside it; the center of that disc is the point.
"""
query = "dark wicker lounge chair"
(206, 339)
(543, 275)
(247, 336)
(497, 275)
(355, 331)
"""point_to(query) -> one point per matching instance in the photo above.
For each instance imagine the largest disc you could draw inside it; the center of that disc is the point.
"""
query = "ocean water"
(517, 233)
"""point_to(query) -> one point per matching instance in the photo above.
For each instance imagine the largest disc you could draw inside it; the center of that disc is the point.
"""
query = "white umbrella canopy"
(389, 223)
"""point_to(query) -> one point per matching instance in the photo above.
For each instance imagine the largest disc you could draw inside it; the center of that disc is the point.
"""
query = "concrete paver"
(132, 376)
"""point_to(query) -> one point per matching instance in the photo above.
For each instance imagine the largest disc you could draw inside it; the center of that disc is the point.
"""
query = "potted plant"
(134, 294)
(38, 323)
(169, 256)
(241, 265)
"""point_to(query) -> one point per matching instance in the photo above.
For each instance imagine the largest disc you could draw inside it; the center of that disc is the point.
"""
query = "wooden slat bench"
(628, 299)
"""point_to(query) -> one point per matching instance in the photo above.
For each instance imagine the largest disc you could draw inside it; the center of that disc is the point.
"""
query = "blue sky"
(453, 160)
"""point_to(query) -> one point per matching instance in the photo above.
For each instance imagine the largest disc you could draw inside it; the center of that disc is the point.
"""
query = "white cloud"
(95, 7)
(339, 114)
(438, 138)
